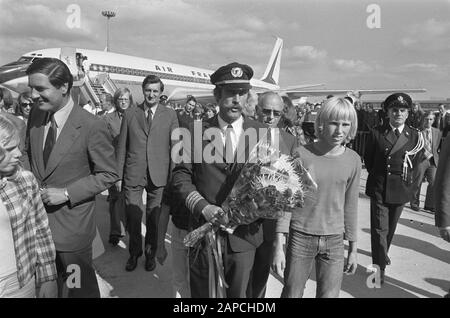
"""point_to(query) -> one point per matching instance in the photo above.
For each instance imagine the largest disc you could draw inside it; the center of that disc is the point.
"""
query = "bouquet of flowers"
(269, 185)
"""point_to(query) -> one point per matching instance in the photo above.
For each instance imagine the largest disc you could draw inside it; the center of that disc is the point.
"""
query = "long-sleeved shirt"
(33, 243)
(333, 208)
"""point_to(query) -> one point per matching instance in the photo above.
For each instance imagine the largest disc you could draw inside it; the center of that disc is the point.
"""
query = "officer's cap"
(233, 76)
(400, 100)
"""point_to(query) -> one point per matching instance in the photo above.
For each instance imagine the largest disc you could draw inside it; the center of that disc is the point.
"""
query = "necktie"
(229, 151)
(427, 144)
(50, 140)
(397, 133)
(149, 118)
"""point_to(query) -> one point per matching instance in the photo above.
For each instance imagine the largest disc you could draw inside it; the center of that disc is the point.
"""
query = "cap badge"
(236, 72)
(400, 99)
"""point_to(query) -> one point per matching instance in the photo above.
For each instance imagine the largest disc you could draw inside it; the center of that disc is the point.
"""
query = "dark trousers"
(116, 211)
(425, 169)
(237, 268)
(76, 275)
(260, 271)
(383, 221)
(134, 212)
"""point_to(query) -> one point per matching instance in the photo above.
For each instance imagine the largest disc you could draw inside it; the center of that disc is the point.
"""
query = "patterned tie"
(427, 145)
(229, 151)
(50, 140)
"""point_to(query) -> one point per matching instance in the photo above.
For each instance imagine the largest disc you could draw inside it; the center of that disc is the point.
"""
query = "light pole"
(109, 15)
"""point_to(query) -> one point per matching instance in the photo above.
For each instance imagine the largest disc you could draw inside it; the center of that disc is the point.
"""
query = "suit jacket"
(436, 136)
(214, 181)
(383, 159)
(442, 187)
(287, 143)
(113, 121)
(82, 160)
(141, 149)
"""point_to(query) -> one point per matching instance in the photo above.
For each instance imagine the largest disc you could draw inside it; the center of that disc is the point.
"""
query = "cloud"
(431, 35)
(357, 66)
(306, 53)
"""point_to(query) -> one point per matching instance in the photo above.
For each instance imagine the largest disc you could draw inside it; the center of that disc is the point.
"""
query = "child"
(317, 231)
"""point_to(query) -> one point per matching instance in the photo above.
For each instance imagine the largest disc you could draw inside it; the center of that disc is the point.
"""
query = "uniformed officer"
(203, 186)
(389, 158)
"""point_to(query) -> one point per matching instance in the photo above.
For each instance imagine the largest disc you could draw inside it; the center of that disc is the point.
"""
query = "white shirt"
(153, 108)
(400, 129)
(236, 132)
(60, 118)
(7, 252)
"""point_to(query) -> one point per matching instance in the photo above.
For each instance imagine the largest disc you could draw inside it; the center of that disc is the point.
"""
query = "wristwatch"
(66, 194)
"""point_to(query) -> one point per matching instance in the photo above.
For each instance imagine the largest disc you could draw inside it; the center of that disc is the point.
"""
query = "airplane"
(107, 71)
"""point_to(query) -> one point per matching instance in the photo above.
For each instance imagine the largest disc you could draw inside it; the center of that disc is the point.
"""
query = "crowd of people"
(56, 156)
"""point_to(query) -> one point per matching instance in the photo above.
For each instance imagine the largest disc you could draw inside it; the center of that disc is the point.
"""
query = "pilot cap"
(400, 100)
(233, 76)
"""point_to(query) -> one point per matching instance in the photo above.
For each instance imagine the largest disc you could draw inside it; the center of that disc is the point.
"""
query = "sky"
(345, 44)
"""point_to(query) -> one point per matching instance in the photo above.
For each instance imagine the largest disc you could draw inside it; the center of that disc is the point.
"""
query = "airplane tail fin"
(272, 73)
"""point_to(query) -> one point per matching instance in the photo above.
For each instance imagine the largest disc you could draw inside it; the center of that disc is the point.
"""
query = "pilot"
(390, 158)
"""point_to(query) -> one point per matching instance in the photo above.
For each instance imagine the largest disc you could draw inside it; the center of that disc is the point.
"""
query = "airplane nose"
(12, 71)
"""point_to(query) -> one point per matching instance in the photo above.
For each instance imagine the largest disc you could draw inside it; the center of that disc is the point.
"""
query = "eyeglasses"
(123, 99)
(267, 112)
(26, 104)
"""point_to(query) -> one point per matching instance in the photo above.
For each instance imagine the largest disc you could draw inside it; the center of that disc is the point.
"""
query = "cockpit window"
(25, 59)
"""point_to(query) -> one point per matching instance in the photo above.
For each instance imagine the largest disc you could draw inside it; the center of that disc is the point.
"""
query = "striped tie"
(427, 145)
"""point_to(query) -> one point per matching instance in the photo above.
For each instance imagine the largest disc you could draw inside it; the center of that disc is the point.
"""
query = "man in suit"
(269, 109)
(389, 183)
(429, 159)
(72, 157)
(143, 156)
(203, 185)
(442, 194)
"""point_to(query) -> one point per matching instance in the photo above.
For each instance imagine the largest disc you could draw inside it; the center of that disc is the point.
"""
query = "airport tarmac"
(420, 262)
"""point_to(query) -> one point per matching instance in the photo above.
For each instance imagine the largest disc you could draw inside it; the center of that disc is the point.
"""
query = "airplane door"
(68, 56)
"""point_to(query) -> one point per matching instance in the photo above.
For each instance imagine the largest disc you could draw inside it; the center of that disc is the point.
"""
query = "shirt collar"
(400, 129)
(237, 124)
(62, 114)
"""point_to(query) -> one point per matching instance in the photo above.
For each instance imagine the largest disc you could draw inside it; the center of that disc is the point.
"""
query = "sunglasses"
(267, 112)
(26, 104)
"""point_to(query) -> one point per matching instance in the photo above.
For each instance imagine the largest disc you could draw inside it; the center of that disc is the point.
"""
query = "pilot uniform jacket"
(214, 181)
(82, 160)
(384, 158)
(140, 150)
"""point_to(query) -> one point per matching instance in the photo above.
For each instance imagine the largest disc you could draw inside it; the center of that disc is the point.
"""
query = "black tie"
(397, 133)
(229, 153)
(50, 140)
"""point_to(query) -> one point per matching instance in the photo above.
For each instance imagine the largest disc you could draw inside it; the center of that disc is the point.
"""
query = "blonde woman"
(318, 230)
(27, 252)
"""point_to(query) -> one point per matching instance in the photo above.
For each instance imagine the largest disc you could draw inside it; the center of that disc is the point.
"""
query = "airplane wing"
(293, 94)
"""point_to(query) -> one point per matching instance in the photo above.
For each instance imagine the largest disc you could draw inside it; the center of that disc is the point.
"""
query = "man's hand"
(352, 263)
(279, 258)
(445, 233)
(118, 185)
(214, 214)
(53, 196)
(48, 290)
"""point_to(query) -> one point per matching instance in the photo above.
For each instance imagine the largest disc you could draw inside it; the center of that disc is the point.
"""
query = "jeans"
(180, 264)
(327, 251)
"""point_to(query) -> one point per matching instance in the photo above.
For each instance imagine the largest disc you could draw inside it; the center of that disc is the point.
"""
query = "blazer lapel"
(37, 142)
(159, 110)
(389, 135)
(402, 140)
(140, 117)
(65, 140)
